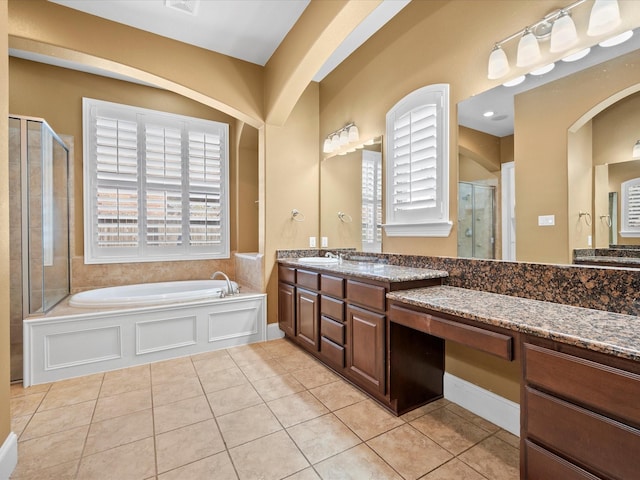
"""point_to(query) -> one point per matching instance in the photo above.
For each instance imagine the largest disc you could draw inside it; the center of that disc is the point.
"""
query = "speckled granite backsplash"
(614, 290)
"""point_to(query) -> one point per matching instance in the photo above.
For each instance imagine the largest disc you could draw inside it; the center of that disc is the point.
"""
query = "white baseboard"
(488, 405)
(8, 456)
(274, 332)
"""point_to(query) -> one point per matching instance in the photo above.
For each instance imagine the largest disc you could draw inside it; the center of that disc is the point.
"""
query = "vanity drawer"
(307, 279)
(332, 352)
(372, 296)
(332, 308)
(286, 274)
(598, 443)
(603, 388)
(333, 286)
(542, 464)
(332, 330)
(474, 337)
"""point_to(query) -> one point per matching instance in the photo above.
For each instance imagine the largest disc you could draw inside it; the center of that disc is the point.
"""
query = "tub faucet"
(230, 290)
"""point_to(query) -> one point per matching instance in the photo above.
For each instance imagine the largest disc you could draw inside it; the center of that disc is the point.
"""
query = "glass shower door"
(476, 220)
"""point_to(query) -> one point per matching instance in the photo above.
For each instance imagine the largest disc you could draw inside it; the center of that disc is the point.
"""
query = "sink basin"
(318, 260)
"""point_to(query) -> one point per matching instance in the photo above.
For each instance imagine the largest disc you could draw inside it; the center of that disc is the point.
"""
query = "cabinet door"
(287, 309)
(307, 315)
(365, 348)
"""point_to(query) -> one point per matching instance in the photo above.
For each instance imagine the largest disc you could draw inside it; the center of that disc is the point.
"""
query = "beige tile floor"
(261, 411)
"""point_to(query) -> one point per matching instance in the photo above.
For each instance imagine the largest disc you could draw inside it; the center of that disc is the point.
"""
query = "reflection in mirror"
(609, 140)
(351, 199)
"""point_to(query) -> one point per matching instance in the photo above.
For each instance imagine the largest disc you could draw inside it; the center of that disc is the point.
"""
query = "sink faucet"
(331, 255)
(230, 290)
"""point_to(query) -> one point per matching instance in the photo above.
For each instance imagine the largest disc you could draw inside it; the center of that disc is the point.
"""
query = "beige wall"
(5, 423)
(292, 180)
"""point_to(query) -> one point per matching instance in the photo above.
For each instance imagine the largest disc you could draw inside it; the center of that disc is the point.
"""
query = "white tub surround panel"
(62, 347)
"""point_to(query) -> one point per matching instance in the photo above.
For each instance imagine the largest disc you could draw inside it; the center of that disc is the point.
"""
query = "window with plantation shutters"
(630, 191)
(155, 185)
(417, 158)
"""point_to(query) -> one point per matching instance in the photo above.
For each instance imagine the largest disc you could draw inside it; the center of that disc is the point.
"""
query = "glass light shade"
(354, 135)
(528, 50)
(605, 16)
(515, 81)
(543, 70)
(344, 137)
(563, 33)
(498, 63)
(327, 147)
(335, 142)
(577, 56)
(617, 40)
(636, 150)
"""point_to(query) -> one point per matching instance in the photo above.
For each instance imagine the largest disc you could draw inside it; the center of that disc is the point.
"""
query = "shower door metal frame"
(24, 194)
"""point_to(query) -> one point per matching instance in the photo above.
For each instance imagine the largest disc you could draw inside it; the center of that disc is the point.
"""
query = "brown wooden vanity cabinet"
(580, 413)
(342, 320)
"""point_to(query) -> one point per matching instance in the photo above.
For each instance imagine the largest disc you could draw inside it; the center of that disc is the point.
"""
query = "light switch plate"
(312, 242)
(324, 242)
(546, 220)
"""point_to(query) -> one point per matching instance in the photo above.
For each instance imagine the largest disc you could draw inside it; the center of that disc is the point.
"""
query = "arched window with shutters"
(417, 164)
(630, 210)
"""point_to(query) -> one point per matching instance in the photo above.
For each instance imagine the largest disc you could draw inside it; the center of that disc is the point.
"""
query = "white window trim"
(627, 230)
(151, 254)
(436, 223)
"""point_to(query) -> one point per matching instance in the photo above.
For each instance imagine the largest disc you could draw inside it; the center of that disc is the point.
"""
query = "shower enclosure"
(38, 223)
(476, 220)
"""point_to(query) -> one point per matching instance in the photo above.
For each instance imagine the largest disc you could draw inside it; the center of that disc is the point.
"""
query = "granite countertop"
(601, 331)
(607, 259)
(373, 271)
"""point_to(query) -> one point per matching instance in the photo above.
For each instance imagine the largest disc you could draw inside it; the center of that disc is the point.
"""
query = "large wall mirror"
(565, 193)
(351, 199)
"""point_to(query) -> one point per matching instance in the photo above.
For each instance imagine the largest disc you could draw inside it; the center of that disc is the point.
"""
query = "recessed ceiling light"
(515, 81)
(488, 114)
(543, 70)
(577, 56)
(617, 40)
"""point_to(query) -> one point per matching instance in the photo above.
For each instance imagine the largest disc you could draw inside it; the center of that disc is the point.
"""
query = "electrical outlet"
(312, 242)
(324, 242)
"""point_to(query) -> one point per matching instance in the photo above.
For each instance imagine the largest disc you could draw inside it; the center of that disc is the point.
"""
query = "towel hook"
(608, 222)
(345, 217)
(297, 216)
(587, 217)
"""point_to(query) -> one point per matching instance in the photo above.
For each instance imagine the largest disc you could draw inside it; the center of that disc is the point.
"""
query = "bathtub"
(151, 293)
(119, 327)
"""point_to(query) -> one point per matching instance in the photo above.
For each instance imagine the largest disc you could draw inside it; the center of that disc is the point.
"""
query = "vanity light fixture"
(559, 27)
(605, 16)
(341, 138)
(636, 151)
(528, 49)
(563, 33)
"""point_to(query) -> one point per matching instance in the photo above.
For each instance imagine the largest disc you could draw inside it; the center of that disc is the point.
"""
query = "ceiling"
(249, 30)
